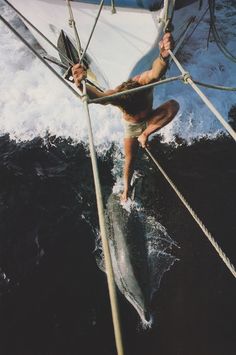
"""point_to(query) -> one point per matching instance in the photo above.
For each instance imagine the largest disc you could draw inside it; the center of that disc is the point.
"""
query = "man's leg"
(130, 148)
(159, 118)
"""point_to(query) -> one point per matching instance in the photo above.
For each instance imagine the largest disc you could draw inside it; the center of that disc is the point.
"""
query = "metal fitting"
(186, 76)
(71, 22)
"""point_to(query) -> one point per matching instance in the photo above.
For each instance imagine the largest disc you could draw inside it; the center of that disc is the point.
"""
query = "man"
(139, 118)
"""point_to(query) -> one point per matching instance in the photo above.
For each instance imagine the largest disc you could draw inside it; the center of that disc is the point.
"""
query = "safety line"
(100, 208)
(209, 236)
(182, 35)
(181, 39)
(73, 25)
(213, 86)
(91, 34)
(140, 88)
(195, 27)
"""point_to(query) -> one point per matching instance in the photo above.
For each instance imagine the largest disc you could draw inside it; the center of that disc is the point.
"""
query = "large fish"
(139, 250)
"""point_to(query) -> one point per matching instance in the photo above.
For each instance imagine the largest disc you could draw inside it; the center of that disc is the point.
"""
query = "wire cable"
(209, 236)
(100, 208)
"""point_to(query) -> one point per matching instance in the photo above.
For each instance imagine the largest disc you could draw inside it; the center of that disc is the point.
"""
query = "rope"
(140, 88)
(219, 251)
(40, 57)
(100, 207)
(186, 28)
(188, 80)
(73, 25)
(217, 87)
(197, 24)
(180, 40)
(91, 34)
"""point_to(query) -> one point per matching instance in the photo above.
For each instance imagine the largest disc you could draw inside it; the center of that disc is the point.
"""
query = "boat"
(123, 43)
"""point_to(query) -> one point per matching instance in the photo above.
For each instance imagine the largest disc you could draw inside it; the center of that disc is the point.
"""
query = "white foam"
(34, 102)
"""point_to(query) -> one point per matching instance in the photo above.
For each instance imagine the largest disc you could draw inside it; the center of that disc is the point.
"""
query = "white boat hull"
(119, 42)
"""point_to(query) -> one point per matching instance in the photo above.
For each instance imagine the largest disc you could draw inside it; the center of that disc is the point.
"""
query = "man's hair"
(132, 103)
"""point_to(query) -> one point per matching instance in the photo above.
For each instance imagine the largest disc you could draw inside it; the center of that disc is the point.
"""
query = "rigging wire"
(183, 33)
(100, 209)
(91, 34)
(140, 88)
(197, 24)
(209, 236)
(216, 87)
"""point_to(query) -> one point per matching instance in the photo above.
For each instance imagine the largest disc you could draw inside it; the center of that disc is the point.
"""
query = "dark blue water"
(53, 296)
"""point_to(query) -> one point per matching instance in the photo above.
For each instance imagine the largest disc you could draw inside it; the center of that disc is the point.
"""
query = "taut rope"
(211, 239)
(100, 208)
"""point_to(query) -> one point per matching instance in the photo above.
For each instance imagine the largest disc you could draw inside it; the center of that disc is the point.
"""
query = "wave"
(33, 103)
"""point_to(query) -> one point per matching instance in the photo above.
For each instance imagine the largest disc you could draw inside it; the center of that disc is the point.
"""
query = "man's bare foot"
(143, 140)
(124, 196)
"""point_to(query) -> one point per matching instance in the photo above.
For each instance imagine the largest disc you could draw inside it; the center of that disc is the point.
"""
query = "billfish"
(139, 248)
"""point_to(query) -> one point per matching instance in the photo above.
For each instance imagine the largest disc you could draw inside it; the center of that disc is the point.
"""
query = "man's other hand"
(79, 73)
(165, 44)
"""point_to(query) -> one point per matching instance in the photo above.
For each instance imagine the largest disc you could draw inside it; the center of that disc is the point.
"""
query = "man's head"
(132, 102)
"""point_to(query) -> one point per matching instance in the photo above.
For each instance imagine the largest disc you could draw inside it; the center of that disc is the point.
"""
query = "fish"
(139, 248)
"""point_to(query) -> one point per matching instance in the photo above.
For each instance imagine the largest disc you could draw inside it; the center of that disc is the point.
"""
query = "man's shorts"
(133, 130)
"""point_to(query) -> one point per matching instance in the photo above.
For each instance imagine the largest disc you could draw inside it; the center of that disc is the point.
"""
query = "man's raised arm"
(159, 66)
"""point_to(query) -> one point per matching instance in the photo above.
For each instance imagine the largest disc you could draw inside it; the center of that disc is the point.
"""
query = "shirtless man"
(139, 118)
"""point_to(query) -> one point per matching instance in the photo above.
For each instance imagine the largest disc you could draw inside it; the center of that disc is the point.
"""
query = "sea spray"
(33, 102)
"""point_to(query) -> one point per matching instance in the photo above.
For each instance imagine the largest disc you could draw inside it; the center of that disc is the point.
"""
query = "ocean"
(53, 296)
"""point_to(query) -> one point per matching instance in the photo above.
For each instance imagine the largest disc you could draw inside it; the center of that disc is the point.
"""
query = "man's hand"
(79, 73)
(165, 44)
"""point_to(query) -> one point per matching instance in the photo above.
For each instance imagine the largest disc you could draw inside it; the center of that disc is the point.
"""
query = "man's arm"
(159, 66)
(79, 74)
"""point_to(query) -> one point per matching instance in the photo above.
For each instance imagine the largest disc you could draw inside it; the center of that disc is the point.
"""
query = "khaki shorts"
(133, 130)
